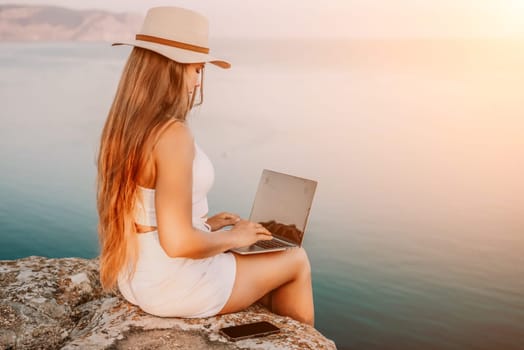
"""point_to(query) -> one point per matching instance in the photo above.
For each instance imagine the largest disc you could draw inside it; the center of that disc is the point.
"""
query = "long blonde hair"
(152, 92)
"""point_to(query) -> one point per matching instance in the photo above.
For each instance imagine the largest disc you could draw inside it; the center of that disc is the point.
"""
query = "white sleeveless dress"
(179, 287)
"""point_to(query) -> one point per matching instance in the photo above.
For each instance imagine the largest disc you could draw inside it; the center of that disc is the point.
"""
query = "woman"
(157, 243)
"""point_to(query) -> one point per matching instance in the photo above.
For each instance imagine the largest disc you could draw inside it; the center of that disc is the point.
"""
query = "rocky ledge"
(59, 304)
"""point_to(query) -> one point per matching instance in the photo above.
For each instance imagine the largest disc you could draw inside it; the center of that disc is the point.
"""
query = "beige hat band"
(173, 43)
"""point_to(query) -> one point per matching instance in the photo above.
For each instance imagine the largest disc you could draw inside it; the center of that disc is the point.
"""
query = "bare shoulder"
(174, 154)
(175, 138)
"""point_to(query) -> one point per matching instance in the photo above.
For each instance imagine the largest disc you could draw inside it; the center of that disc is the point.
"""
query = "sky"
(337, 18)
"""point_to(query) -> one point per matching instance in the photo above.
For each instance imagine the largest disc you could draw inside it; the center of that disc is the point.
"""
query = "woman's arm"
(173, 154)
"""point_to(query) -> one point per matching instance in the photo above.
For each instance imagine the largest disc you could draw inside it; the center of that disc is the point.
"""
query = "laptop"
(282, 205)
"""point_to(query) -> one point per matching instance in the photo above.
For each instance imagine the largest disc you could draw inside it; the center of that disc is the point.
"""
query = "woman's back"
(184, 287)
(203, 179)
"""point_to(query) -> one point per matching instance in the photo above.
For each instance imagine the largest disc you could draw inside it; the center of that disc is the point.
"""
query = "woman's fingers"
(230, 217)
(222, 219)
(264, 233)
(252, 232)
(264, 236)
(227, 215)
(260, 228)
(234, 219)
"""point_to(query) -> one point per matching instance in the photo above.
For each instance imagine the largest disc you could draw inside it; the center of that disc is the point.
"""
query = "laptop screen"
(282, 204)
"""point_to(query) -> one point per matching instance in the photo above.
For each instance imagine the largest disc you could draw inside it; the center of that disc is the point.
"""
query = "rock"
(59, 304)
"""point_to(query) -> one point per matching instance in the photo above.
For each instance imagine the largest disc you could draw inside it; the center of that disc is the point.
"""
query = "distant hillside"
(50, 23)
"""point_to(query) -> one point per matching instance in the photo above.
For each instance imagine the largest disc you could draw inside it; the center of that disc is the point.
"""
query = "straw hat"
(176, 33)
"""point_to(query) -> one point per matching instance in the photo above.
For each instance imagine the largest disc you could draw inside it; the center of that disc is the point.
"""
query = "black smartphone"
(249, 330)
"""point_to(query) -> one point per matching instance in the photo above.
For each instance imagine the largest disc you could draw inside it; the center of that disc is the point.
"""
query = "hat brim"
(176, 54)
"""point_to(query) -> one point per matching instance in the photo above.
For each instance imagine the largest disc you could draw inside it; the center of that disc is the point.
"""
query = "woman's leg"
(266, 301)
(286, 274)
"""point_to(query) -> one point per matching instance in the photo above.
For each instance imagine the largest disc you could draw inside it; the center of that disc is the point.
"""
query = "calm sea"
(416, 236)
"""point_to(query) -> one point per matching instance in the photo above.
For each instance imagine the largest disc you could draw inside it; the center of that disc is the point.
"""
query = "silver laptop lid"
(282, 204)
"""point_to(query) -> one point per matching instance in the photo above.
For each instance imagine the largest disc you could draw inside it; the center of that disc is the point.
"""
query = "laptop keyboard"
(271, 244)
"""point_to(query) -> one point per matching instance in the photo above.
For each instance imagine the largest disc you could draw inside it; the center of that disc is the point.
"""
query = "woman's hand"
(221, 220)
(248, 232)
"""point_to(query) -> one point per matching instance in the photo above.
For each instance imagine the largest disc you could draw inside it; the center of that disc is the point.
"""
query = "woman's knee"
(303, 265)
